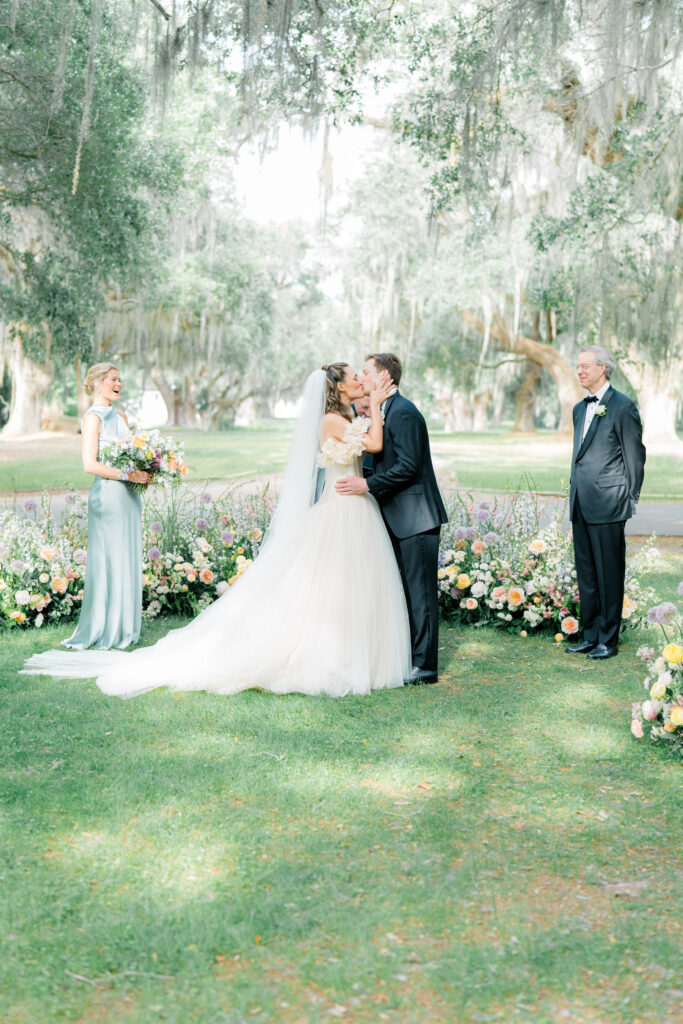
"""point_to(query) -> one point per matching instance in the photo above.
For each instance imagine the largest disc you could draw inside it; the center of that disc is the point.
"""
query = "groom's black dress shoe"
(583, 648)
(602, 651)
(421, 676)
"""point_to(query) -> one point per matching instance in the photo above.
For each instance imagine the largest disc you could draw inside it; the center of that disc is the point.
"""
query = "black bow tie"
(592, 398)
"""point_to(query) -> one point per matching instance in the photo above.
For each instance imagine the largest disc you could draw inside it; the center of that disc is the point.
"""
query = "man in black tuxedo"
(404, 484)
(607, 474)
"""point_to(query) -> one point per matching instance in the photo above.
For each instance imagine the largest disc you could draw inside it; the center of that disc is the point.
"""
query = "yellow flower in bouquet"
(673, 653)
(463, 581)
(677, 715)
(139, 442)
(515, 596)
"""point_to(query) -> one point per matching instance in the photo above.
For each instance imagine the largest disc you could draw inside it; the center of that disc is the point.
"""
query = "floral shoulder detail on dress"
(345, 451)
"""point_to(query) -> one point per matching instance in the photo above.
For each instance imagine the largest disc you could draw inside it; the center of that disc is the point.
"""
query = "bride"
(297, 621)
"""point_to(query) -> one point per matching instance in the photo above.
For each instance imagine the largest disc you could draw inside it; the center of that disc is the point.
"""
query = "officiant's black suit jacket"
(403, 480)
(608, 465)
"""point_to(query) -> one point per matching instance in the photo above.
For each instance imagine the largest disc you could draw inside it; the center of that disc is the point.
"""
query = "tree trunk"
(181, 410)
(658, 400)
(526, 398)
(30, 382)
(480, 415)
(84, 400)
(569, 390)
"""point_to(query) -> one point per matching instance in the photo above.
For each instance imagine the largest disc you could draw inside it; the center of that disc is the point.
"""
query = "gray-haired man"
(607, 474)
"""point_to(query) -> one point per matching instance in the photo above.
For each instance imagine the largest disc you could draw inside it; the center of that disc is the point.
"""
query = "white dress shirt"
(591, 407)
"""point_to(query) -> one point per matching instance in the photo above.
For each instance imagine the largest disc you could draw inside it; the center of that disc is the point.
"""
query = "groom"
(404, 484)
(607, 474)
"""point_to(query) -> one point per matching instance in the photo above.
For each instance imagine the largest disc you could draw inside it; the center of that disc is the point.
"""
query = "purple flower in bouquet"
(206, 498)
(202, 524)
(228, 538)
(483, 514)
(16, 565)
(470, 533)
(154, 554)
(491, 538)
(156, 527)
(459, 533)
(30, 505)
(80, 556)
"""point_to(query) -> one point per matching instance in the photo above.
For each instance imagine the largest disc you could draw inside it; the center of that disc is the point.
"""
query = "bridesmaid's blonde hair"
(96, 375)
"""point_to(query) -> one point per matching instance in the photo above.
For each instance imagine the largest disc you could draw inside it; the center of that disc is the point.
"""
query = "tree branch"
(164, 13)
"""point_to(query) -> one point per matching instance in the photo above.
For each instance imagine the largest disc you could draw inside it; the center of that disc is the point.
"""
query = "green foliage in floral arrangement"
(498, 565)
(194, 548)
(661, 715)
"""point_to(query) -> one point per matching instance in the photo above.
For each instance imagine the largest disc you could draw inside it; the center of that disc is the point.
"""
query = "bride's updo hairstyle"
(336, 372)
(96, 375)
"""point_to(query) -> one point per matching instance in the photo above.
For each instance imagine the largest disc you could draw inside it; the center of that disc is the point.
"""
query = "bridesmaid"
(112, 597)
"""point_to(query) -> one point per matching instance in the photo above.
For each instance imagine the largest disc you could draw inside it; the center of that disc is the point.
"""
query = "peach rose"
(60, 584)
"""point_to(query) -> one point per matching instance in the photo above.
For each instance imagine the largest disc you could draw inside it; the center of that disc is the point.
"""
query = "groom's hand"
(351, 485)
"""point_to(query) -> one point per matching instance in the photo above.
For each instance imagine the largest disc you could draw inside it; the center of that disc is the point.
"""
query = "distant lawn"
(495, 461)
(495, 848)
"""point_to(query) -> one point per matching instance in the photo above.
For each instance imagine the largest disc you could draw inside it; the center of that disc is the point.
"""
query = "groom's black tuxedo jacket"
(608, 465)
(403, 480)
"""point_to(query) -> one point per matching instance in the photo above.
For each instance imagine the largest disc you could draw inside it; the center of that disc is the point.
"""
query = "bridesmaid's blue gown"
(112, 596)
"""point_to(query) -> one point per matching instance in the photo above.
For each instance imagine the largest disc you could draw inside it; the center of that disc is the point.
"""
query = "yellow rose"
(658, 690)
(673, 653)
(441, 573)
(677, 715)
(463, 581)
(558, 638)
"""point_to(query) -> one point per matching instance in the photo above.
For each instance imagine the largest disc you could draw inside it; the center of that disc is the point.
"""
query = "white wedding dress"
(320, 611)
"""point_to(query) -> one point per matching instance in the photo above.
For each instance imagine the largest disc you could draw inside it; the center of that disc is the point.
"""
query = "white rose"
(478, 590)
(221, 588)
(22, 596)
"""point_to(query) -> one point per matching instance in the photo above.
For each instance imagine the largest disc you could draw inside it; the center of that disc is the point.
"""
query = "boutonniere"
(600, 410)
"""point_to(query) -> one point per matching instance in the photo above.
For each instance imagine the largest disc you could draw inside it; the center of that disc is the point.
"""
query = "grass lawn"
(494, 848)
(496, 461)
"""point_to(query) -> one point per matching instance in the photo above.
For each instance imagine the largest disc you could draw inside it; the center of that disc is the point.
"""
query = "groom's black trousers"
(417, 559)
(600, 556)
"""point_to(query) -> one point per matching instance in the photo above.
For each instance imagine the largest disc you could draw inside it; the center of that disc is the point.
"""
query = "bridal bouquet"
(149, 452)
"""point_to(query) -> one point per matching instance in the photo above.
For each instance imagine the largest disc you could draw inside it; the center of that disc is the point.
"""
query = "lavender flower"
(483, 514)
(662, 614)
(80, 556)
(228, 538)
(206, 498)
(202, 524)
(155, 527)
(30, 505)
(154, 554)
(491, 538)
(470, 533)
(16, 565)
(460, 533)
